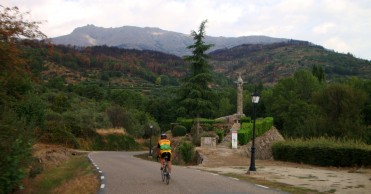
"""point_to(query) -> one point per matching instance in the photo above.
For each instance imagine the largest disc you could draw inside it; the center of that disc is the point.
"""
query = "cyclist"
(164, 150)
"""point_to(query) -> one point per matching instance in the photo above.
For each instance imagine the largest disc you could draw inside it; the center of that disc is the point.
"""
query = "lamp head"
(255, 97)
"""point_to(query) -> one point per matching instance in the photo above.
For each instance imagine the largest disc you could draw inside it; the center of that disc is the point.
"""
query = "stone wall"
(263, 145)
(208, 142)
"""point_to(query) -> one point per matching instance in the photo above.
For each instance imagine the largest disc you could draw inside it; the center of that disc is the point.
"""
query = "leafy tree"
(341, 107)
(117, 115)
(129, 99)
(19, 112)
(225, 107)
(195, 93)
(318, 72)
(163, 110)
(289, 102)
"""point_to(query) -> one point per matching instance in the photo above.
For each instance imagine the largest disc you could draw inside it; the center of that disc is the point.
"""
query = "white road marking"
(262, 186)
(102, 177)
(102, 186)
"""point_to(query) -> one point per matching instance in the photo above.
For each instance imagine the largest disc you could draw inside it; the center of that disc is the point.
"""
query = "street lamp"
(150, 141)
(255, 100)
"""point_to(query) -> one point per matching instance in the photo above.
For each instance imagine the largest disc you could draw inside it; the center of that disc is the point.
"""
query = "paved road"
(124, 173)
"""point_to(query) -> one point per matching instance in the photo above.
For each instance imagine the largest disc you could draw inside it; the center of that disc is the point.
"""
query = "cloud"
(323, 28)
(333, 24)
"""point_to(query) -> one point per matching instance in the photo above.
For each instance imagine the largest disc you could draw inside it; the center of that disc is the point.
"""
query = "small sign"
(234, 139)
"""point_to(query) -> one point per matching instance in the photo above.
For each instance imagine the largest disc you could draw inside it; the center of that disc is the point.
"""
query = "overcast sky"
(340, 25)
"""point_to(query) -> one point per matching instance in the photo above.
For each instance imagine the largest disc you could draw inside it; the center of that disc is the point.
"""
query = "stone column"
(239, 95)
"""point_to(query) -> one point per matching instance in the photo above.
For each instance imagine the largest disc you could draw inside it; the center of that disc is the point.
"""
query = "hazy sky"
(340, 25)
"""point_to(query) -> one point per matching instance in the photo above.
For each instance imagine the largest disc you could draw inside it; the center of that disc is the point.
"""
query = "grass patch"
(308, 177)
(331, 191)
(76, 175)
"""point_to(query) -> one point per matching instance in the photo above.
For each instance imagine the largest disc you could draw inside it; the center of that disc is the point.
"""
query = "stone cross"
(239, 95)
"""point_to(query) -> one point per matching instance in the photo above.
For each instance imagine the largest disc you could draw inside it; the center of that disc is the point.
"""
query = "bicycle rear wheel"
(167, 178)
(163, 175)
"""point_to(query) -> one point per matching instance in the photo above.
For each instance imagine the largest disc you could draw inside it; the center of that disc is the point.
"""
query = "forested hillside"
(270, 63)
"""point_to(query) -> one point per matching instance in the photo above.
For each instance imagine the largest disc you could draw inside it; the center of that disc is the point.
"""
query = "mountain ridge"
(152, 38)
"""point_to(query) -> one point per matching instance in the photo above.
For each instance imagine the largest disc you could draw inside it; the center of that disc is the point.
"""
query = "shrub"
(187, 151)
(245, 119)
(323, 152)
(242, 137)
(179, 130)
(56, 132)
(220, 133)
(187, 123)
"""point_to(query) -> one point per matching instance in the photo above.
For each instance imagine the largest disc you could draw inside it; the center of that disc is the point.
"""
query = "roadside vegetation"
(66, 95)
(76, 175)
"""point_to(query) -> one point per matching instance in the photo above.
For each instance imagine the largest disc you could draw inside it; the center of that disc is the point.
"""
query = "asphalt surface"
(124, 173)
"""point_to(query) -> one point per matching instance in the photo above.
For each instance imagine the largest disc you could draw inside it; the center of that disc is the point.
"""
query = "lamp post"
(150, 141)
(255, 100)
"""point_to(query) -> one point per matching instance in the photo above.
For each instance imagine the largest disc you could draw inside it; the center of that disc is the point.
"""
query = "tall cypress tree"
(195, 94)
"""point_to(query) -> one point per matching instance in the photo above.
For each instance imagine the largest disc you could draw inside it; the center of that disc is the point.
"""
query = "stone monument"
(235, 118)
(239, 96)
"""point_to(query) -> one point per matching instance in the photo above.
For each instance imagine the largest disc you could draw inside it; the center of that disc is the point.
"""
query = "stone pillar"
(239, 95)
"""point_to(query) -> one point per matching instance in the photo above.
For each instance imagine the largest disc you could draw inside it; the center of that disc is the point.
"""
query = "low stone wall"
(208, 142)
(263, 145)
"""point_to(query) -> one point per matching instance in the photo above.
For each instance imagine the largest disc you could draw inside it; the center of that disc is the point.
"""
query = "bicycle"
(164, 172)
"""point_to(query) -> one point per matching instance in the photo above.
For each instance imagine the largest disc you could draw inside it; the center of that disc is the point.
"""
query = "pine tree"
(195, 93)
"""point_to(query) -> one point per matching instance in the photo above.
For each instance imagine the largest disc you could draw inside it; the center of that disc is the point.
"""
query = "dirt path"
(331, 180)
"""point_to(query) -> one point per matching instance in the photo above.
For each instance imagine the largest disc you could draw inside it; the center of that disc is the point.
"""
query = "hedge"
(188, 123)
(261, 126)
(245, 119)
(323, 152)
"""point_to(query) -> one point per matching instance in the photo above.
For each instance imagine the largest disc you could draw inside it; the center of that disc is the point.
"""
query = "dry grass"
(111, 131)
(80, 184)
(76, 175)
(64, 171)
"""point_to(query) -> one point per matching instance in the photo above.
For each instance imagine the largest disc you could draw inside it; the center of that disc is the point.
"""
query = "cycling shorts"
(166, 154)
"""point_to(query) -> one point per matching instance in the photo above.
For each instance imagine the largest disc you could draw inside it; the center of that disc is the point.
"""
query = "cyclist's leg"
(169, 162)
(162, 160)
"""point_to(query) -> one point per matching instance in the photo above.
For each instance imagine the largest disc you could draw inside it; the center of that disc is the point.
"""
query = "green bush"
(179, 130)
(220, 133)
(187, 123)
(323, 152)
(187, 151)
(56, 132)
(261, 126)
(245, 119)
(242, 137)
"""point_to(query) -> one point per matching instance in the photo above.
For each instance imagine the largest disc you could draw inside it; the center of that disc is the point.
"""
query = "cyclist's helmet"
(163, 136)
